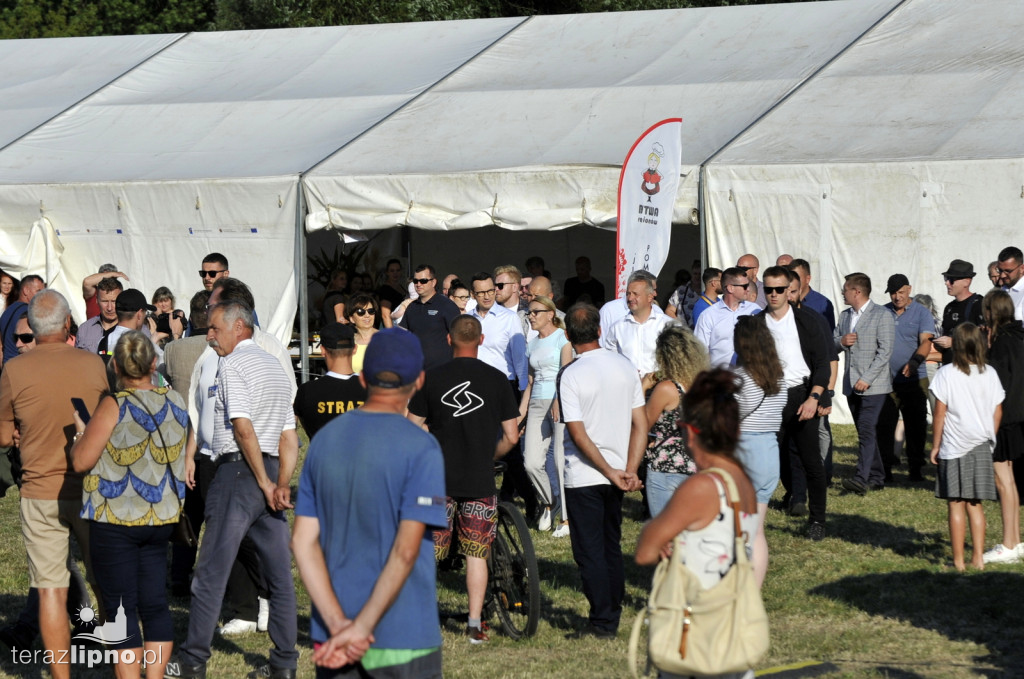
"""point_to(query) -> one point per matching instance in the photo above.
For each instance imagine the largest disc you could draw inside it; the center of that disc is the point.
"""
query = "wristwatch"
(816, 396)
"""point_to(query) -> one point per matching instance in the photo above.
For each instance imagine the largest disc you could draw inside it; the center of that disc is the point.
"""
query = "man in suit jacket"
(866, 333)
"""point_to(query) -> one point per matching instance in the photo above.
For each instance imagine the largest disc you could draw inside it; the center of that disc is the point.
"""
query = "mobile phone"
(79, 406)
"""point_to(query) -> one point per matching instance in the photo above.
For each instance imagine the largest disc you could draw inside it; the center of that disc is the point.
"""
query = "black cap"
(896, 281)
(958, 268)
(131, 300)
(337, 336)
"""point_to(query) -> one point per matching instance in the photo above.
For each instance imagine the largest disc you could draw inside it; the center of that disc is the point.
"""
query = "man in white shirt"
(716, 323)
(1011, 278)
(635, 334)
(615, 310)
(602, 404)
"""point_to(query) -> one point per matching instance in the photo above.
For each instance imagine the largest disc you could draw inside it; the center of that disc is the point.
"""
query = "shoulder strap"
(732, 494)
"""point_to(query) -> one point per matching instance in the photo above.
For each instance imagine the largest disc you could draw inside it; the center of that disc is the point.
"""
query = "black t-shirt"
(464, 402)
(956, 313)
(386, 293)
(574, 289)
(320, 401)
(429, 321)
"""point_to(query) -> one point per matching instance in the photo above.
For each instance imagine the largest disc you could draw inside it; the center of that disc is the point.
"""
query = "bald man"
(755, 293)
(784, 260)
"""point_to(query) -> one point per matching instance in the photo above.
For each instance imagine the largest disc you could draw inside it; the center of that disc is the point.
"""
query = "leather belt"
(237, 456)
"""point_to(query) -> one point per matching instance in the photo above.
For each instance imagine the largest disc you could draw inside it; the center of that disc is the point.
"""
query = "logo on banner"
(652, 180)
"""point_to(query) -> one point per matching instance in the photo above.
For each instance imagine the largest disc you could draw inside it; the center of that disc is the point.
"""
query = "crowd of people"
(173, 422)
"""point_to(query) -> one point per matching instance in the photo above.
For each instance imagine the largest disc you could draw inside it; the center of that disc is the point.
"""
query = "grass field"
(877, 598)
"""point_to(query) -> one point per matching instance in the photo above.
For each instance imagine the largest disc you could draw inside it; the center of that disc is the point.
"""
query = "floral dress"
(667, 452)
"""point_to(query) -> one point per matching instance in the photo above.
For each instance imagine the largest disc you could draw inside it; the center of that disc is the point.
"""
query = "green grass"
(877, 598)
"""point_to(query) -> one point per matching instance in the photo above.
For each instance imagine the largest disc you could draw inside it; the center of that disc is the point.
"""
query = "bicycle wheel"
(514, 582)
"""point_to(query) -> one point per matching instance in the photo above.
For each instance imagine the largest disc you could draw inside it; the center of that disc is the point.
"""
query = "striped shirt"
(757, 415)
(251, 384)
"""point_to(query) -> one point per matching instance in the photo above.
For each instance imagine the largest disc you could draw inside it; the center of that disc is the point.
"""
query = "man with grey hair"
(255, 448)
(635, 334)
(614, 311)
(35, 385)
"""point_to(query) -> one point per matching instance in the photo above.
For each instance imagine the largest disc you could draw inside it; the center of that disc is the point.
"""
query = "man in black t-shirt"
(469, 408)
(429, 317)
(965, 307)
(339, 391)
(583, 284)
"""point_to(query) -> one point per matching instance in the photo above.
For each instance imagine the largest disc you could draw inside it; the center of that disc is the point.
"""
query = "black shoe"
(798, 509)
(18, 635)
(915, 476)
(592, 631)
(178, 669)
(271, 672)
(888, 477)
(876, 486)
(854, 486)
(816, 531)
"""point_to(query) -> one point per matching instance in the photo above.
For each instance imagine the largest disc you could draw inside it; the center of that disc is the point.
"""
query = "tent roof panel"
(581, 88)
(936, 80)
(251, 103)
(41, 78)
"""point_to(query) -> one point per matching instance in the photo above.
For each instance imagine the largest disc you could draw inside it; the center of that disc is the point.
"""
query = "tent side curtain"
(158, 234)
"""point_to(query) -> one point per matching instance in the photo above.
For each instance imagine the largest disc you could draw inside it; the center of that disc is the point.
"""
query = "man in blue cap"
(375, 615)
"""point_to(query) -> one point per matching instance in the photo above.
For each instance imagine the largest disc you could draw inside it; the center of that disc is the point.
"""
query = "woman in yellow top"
(133, 450)
(363, 312)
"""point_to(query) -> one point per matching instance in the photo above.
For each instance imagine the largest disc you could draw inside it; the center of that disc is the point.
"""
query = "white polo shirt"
(636, 341)
(715, 329)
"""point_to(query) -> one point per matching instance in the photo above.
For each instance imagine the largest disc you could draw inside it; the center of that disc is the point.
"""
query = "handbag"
(183, 533)
(695, 631)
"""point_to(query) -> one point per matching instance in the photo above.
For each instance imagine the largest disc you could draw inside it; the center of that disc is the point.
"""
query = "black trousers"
(246, 583)
(595, 529)
(911, 400)
(803, 435)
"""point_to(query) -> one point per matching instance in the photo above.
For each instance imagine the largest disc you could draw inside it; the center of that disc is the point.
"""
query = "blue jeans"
(759, 453)
(660, 486)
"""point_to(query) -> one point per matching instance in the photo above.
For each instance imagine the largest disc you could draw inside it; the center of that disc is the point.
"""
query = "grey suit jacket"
(180, 358)
(868, 358)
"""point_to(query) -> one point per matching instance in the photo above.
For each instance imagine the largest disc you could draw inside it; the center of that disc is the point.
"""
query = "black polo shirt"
(430, 321)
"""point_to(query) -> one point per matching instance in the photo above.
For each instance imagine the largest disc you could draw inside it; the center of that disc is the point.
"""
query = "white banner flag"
(647, 197)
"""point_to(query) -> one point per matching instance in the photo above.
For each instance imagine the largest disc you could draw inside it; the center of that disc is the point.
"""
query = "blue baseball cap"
(394, 358)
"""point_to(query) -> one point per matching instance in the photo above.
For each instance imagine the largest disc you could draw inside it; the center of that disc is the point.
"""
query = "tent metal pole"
(300, 284)
(701, 221)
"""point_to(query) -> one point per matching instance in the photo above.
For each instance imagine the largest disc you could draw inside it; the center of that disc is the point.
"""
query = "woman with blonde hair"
(1006, 355)
(133, 451)
(680, 356)
(546, 353)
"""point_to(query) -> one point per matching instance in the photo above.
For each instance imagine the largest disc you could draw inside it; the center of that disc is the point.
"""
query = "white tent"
(531, 133)
(904, 153)
(199, 148)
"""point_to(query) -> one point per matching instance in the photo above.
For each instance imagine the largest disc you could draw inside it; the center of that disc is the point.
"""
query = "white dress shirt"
(715, 328)
(636, 341)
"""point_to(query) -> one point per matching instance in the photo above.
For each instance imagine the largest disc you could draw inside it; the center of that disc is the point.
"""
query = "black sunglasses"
(778, 290)
(210, 274)
(501, 286)
(364, 312)
(738, 285)
(25, 337)
(422, 281)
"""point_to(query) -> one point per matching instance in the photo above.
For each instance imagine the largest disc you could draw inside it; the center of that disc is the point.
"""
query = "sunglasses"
(778, 290)
(25, 337)
(210, 274)
(534, 312)
(365, 312)
(738, 285)
(421, 281)
(501, 286)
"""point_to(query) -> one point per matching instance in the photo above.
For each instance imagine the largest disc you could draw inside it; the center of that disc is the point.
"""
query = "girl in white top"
(696, 516)
(968, 408)
(547, 353)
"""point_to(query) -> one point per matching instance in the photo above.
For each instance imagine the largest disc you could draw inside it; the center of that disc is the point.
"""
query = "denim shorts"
(759, 453)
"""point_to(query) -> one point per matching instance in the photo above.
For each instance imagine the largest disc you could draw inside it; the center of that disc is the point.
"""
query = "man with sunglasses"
(214, 266)
(803, 349)
(1010, 267)
(751, 265)
(716, 324)
(966, 306)
(429, 317)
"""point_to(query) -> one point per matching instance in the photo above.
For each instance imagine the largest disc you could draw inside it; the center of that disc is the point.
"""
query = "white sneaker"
(1000, 554)
(263, 617)
(1020, 549)
(237, 626)
(562, 531)
(544, 522)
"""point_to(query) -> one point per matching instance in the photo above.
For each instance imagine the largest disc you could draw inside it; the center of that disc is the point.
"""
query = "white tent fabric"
(41, 78)
(531, 133)
(199, 149)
